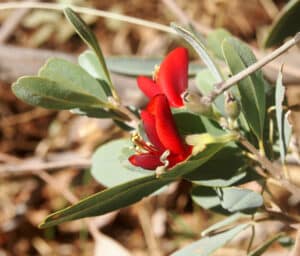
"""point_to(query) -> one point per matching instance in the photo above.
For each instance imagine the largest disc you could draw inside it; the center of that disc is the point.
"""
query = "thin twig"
(145, 221)
(183, 18)
(223, 86)
(32, 166)
(273, 169)
(86, 10)
(25, 117)
(8, 158)
(10, 24)
(265, 162)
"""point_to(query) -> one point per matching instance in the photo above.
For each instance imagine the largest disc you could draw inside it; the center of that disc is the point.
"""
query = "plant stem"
(86, 10)
(225, 85)
(251, 238)
(272, 169)
(125, 111)
(265, 162)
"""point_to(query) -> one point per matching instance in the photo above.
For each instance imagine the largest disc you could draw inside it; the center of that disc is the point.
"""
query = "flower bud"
(232, 106)
(194, 103)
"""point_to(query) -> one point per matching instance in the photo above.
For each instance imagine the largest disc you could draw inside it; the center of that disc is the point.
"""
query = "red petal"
(150, 129)
(146, 161)
(148, 86)
(165, 125)
(175, 159)
(172, 76)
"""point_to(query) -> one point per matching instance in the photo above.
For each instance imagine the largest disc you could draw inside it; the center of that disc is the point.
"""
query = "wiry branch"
(223, 86)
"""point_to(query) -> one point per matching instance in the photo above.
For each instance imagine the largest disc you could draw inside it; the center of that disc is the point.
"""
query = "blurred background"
(45, 154)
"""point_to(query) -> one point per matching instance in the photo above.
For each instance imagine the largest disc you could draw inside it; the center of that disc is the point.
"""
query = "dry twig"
(11, 23)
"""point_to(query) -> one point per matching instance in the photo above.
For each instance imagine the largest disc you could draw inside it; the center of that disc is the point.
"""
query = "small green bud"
(232, 106)
(193, 102)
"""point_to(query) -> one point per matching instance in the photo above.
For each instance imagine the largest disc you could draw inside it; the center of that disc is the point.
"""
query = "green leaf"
(224, 223)
(108, 200)
(224, 169)
(127, 193)
(252, 88)
(95, 112)
(205, 81)
(200, 141)
(201, 50)
(194, 162)
(188, 123)
(125, 65)
(46, 93)
(228, 199)
(214, 41)
(284, 128)
(207, 245)
(90, 63)
(72, 77)
(236, 199)
(110, 164)
(286, 24)
(265, 245)
(207, 198)
(88, 36)
(286, 241)
(140, 66)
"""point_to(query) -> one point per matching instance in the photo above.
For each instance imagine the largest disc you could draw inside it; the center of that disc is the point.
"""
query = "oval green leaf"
(251, 90)
(72, 77)
(49, 94)
(236, 199)
(110, 165)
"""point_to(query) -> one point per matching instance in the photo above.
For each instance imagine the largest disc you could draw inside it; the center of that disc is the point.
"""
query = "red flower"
(161, 131)
(171, 79)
